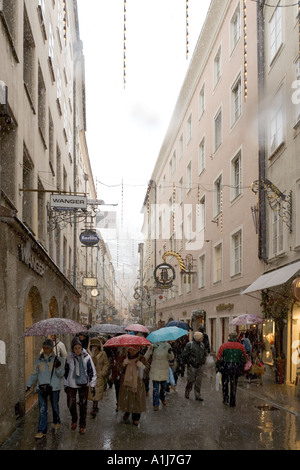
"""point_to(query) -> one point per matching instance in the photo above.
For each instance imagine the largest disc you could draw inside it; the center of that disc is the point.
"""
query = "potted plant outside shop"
(276, 305)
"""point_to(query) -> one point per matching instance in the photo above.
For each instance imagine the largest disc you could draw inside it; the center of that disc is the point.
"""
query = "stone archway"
(33, 313)
(66, 308)
(53, 310)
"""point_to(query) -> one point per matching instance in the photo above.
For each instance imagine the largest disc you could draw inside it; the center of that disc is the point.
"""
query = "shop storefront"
(33, 288)
(281, 329)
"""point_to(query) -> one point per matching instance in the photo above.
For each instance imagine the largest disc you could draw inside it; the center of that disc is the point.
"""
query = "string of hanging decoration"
(125, 31)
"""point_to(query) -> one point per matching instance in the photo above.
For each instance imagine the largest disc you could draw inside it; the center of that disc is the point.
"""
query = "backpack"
(195, 357)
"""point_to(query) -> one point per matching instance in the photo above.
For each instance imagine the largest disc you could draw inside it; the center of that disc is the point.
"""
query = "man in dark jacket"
(194, 355)
(231, 359)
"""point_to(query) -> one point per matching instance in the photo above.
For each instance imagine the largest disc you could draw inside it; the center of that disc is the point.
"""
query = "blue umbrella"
(179, 324)
(168, 333)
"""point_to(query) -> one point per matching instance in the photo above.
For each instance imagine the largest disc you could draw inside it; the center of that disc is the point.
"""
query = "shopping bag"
(218, 381)
(210, 361)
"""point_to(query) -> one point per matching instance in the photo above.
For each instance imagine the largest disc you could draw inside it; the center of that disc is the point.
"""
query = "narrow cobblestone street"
(258, 422)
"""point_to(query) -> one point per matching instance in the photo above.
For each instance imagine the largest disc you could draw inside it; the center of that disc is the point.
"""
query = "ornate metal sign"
(164, 275)
(277, 200)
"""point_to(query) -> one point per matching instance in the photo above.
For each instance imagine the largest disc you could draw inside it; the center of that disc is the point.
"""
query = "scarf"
(79, 370)
(130, 379)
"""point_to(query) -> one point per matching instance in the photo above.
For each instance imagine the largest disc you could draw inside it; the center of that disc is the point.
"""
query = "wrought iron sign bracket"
(278, 201)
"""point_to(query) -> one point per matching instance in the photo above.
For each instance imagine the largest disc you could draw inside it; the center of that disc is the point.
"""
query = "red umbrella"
(54, 326)
(127, 341)
(137, 327)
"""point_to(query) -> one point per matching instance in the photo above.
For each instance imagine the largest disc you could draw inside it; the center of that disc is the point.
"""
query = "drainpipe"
(262, 209)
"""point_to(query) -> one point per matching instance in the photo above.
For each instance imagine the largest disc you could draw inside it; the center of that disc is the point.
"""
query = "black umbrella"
(179, 324)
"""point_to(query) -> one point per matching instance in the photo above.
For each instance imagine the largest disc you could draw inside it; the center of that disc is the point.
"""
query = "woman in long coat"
(132, 395)
(161, 354)
(101, 364)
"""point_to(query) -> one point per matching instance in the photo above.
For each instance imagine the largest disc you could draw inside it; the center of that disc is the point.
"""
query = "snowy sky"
(126, 126)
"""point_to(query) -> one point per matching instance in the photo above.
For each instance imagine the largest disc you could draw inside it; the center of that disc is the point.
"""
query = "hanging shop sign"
(67, 202)
(106, 219)
(89, 237)
(164, 275)
(89, 282)
(295, 288)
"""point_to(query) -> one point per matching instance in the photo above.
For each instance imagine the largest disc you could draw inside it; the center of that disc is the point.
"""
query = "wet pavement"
(266, 417)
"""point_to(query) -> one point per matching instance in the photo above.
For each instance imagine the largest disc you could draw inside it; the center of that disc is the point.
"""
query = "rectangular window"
(201, 271)
(218, 129)
(236, 100)
(41, 105)
(236, 253)
(276, 122)
(236, 176)
(41, 214)
(235, 27)
(201, 156)
(181, 146)
(218, 262)
(189, 128)
(218, 196)
(201, 214)
(275, 31)
(28, 183)
(277, 233)
(189, 177)
(217, 67)
(28, 60)
(201, 101)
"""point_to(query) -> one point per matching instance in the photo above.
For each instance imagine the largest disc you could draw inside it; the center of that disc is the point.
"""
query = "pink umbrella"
(247, 319)
(54, 326)
(137, 327)
(127, 341)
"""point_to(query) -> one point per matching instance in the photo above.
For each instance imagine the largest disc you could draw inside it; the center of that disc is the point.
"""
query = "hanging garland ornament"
(124, 45)
(245, 51)
(187, 28)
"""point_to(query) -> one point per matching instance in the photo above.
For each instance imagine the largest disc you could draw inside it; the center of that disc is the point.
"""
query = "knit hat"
(49, 343)
(75, 341)
(233, 335)
(198, 336)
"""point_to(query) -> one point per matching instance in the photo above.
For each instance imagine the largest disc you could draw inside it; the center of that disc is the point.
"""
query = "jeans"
(72, 405)
(159, 394)
(43, 410)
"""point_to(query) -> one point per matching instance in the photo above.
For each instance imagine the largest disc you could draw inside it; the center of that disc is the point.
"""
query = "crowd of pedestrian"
(90, 368)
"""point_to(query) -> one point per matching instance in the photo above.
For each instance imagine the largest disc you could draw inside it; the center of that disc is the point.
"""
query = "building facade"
(198, 205)
(278, 181)
(43, 155)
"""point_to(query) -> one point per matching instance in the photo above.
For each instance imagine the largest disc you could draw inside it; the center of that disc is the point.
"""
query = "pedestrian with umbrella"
(231, 359)
(101, 363)
(160, 354)
(48, 371)
(194, 355)
(118, 346)
(132, 396)
(80, 374)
